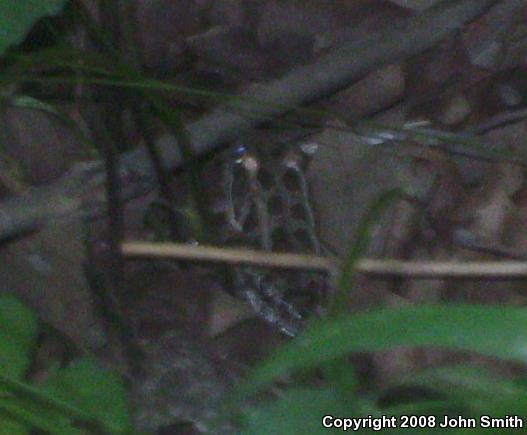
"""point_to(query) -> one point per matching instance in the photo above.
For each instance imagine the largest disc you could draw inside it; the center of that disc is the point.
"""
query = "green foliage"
(18, 16)
(99, 393)
(299, 411)
(492, 331)
(81, 394)
(475, 386)
(18, 333)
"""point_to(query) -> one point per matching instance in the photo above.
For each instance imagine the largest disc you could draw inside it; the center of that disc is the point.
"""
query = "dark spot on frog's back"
(303, 239)
(298, 212)
(280, 240)
(275, 204)
(251, 224)
(266, 179)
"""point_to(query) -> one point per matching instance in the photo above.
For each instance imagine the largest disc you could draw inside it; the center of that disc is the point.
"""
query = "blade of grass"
(478, 387)
(18, 335)
(493, 331)
(30, 416)
(454, 143)
(98, 392)
(359, 248)
(23, 390)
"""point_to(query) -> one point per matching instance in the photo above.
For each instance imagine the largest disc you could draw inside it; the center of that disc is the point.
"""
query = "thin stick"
(381, 269)
(325, 76)
(443, 270)
(237, 256)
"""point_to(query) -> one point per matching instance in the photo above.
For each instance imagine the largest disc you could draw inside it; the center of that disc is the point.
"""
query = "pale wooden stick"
(443, 269)
(240, 256)
(369, 267)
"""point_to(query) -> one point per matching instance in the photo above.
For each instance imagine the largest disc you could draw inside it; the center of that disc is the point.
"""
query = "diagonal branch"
(329, 74)
(304, 85)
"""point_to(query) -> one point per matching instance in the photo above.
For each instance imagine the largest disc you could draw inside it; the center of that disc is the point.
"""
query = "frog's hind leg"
(268, 302)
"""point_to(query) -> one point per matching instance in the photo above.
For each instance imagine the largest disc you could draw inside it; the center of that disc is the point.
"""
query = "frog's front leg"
(236, 218)
(246, 202)
(262, 215)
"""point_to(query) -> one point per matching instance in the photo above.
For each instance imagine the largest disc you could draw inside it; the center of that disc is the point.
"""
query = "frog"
(258, 197)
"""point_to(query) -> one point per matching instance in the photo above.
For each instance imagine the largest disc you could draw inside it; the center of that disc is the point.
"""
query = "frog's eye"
(239, 152)
(309, 148)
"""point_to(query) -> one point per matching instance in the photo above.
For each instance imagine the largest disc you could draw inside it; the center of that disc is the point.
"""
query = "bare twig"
(322, 78)
(443, 270)
(381, 268)
(237, 256)
(329, 74)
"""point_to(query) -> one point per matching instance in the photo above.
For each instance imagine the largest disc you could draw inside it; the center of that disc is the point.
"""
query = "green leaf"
(34, 415)
(97, 391)
(341, 375)
(299, 411)
(9, 426)
(41, 409)
(18, 16)
(479, 390)
(83, 392)
(18, 334)
(474, 385)
(492, 331)
(35, 395)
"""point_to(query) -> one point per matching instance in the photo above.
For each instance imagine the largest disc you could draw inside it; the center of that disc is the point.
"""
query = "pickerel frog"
(259, 198)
